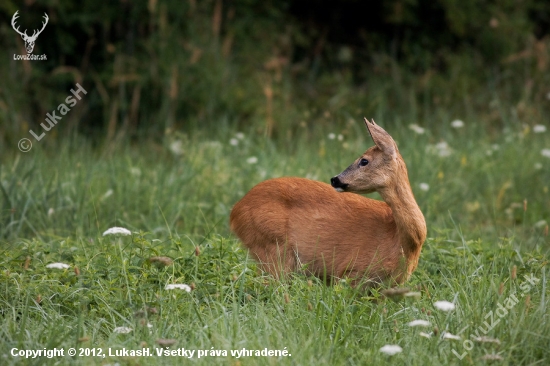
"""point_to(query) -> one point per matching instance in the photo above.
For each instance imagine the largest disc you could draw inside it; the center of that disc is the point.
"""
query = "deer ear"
(381, 138)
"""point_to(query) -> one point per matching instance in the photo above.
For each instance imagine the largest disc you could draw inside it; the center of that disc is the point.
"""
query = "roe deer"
(290, 224)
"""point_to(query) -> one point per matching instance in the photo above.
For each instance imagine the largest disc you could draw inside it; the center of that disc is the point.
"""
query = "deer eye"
(363, 162)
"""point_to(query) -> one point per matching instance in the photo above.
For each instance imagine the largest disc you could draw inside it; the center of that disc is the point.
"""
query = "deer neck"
(411, 226)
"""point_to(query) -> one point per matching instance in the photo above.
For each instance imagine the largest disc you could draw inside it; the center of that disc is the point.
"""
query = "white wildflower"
(493, 357)
(416, 128)
(545, 153)
(419, 323)
(239, 135)
(424, 186)
(425, 335)
(107, 194)
(441, 148)
(136, 172)
(444, 305)
(122, 330)
(391, 349)
(331, 136)
(540, 224)
(176, 147)
(448, 335)
(340, 137)
(233, 142)
(414, 294)
(485, 339)
(539, 128)
(117, 230)
(252, 160)
(538, 166)
(58, 265)
(179, 286)
(51, 211)
(457, 123)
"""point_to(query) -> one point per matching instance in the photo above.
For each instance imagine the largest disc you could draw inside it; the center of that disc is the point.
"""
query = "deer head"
(29, 40)
(376, 169)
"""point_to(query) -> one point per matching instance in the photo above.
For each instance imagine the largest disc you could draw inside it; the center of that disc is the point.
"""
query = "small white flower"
(179, 286)
(252, 160)
(416, 128)
(441, 148)
(391, 349)
(331, 136)
(51, 211)
(176, 147)
(136, 172)
(117, 230)
(444, 305)
(538, 166)
(485, 339)
(424, 186)
(548, 96)
(540, 224)
(107, 194)
(122, 330)
(58, 265)
(425, 335)
(239, 135)
(233, 142)
(457, 123)
(539, 128)
(340, 137)
(414, 294)
(419, 323)
(448, 335)
(545, 153)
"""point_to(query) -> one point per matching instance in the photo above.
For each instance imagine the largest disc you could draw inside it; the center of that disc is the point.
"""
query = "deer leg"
(277, 260)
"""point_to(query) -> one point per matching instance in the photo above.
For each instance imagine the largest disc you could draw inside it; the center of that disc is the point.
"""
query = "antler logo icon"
(29, 40)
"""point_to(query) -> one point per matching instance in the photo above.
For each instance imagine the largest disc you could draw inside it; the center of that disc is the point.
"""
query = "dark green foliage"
(153, 65)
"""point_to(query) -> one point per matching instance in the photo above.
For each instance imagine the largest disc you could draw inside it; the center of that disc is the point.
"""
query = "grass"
(484, 208)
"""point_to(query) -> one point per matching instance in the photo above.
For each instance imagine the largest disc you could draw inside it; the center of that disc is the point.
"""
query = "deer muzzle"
(337, 184)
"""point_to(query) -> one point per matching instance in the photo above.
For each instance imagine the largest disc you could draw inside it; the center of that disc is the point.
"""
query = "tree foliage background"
(163, 65)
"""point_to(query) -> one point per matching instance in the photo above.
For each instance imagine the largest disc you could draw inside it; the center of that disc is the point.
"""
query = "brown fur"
(294, 223)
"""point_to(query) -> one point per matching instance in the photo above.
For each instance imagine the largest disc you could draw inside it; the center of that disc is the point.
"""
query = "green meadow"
(483, 191)
(189, 104)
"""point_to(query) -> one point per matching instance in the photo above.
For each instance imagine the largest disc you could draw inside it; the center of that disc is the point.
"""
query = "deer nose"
(336, 183)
